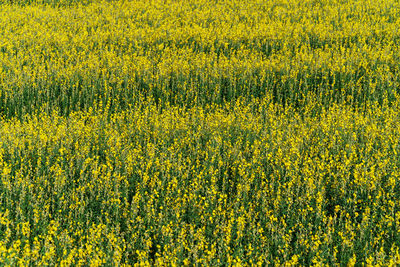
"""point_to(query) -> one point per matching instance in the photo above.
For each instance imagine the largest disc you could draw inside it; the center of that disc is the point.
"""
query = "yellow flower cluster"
(248, 185)
(199, 132)
(196, 52)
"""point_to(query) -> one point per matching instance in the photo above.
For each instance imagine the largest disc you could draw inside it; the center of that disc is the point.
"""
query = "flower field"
(199, 132)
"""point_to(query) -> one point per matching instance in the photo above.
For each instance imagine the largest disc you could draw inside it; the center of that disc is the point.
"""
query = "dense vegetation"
(199, 132)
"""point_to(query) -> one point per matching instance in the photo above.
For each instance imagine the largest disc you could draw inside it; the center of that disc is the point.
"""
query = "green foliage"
(199, 133)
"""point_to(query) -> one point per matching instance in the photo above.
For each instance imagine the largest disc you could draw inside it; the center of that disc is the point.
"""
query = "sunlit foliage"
(199, 132)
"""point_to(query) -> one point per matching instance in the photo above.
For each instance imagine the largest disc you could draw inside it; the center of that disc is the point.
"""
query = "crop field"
(199, 132)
